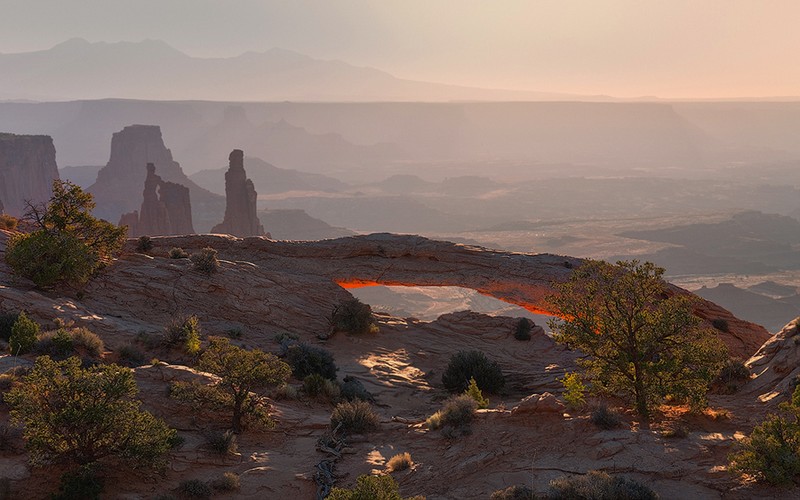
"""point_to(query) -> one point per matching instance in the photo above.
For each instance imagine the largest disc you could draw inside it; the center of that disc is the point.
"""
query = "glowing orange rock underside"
(358, 283)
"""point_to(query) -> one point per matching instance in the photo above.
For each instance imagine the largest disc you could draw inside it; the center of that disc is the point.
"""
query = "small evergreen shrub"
(514, 493)
(316, 386)
(144, 244)
(229, 481)
(178, 253)
(86, 342)
(222, 443)
(401, 461)
(205, 261)
(80, 484)
(8, 222)
(130, 355)
(307, 359)
(574, 390)
(353, 316)
(370, 488)
(457, 413)
(7, 320)
(465, 365)
(234, 333)
(23, 335)
(598, 485)
(605, 418)
(352, 389)
(286, 391)
(195, 488)
(354, 417)
(475, 393)
(57, 344)
(720, 324)
(523, 329)
(732, 374)
(772, 451)
(184, 331)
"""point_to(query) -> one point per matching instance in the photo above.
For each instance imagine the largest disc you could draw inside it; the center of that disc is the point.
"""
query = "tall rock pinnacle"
(166, 208)
(240, 201)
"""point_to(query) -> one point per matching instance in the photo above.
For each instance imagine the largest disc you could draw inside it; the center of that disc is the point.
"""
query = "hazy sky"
(626, 48)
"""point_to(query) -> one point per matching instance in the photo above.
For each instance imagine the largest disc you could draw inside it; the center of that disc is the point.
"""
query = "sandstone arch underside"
(407, 260)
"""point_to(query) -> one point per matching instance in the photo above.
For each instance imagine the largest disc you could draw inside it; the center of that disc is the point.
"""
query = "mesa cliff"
(240, 201)
(166, 208)
(117, 189)
(27, 170)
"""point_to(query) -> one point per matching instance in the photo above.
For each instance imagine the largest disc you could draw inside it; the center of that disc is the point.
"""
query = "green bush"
(144, 244)
(315, 385)
(7, 320)
(597, 485)
(56, 344)
(465, 365)
(184, 330)
(8, 222)
(354, 417)
(245, 374)
(573, 390)
(523, 329)
(69, 244)
(605, 418)
(307, 359)
(63, 418)
(514, 493)
(720, 324)
(456, 414)
(80, 484)
(195, 488)
(23, 335)
(475, 393)
(352, 316)
(772, 451)
(205, 261)
(131, 355)
(229, 481)
(732, 374)
(370, 488)
(222, 443)
(352, 388)
(178, 253)
(64, 342)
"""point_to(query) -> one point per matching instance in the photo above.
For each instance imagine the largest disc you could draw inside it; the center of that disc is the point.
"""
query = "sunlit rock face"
(166, 209)
(27, 170)
(240, 201)
(406, 260)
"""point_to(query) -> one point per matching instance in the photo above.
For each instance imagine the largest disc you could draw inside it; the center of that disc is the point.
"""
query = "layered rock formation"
(240, 201)
(166, 208)
(405, 260)
(27, 170)
(117, 189)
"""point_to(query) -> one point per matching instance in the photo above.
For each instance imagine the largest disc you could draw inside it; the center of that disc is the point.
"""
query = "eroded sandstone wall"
(27, 170)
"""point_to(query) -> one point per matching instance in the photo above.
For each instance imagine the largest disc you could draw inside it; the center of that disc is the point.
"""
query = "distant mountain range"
(151, 69)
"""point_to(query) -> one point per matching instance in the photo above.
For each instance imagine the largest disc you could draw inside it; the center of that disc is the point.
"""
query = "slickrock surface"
(166, 209)
(240, 201)
(27, 171)
(266, 287)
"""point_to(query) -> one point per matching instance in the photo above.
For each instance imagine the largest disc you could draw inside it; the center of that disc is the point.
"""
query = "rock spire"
(166, 208)
(240, 201)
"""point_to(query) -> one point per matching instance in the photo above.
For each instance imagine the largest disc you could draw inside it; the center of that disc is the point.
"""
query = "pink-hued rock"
(27, 171)
(166, 209)
(539, 403)
(240, 201)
